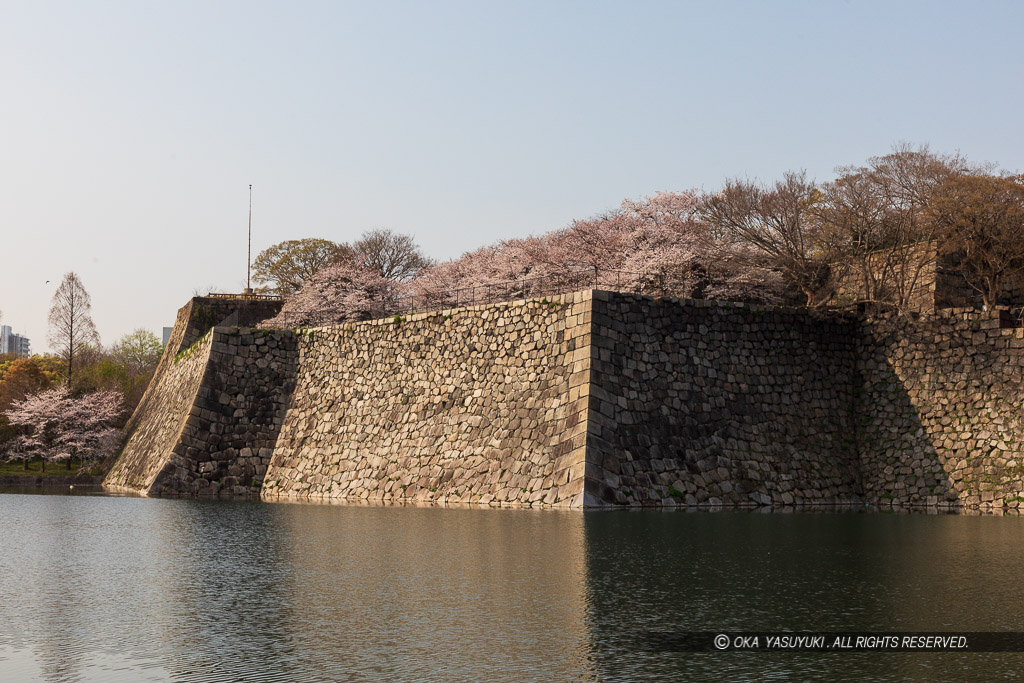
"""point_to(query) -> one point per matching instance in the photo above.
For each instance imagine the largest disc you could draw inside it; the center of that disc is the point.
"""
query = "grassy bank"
(53, 469)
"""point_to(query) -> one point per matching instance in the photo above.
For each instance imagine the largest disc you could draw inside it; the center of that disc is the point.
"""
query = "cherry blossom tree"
(56, 425)
(85, 427)
(338, 293)
(367, 279)
(657, 245)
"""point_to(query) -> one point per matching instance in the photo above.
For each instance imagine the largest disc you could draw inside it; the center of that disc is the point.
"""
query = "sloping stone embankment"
(210, 415)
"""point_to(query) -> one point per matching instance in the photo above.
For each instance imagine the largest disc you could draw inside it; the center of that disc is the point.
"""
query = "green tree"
(287, 266)
(126, 368)
(138, 351)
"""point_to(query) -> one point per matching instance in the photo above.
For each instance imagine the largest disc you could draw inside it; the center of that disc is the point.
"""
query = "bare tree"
(394, 256)
(877, 217)
(778, 222)
(982, 222)
(854, 214)
(72, 331)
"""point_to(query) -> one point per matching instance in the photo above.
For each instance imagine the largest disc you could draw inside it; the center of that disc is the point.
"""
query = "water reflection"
(122, 589)
(652, 572)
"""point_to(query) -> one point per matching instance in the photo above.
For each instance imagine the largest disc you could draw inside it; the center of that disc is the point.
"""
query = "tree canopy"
(286, 267)
(870, 236)
(981, 219)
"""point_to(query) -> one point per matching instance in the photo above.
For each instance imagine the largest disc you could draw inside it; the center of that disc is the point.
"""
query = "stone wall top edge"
(971, 312)
(584, 296)
(233, 330)
(577, 297)
(606, 295)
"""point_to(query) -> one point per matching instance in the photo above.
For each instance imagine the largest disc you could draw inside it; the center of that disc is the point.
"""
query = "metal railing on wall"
(245, 297)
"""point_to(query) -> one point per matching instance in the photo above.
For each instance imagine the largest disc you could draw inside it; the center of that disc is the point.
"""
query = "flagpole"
(248, 255)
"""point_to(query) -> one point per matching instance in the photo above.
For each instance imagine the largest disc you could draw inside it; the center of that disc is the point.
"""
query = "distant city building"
(13, 343)
(167, 334)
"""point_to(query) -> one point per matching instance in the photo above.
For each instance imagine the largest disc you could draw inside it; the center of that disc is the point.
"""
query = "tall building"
(13, 343)
(167, 334)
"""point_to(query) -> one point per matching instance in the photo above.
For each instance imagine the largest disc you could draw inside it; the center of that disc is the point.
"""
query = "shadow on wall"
(940, 421)
(234, 421)
(704, 403)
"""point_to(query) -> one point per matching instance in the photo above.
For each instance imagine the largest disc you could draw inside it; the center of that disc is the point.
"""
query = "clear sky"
(130, 131)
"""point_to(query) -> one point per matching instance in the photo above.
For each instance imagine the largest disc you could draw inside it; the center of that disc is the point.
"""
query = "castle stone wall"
(481, 405)
(155, 429)
(194, 320)
(941, 412)
(700, 402)
(590, 399)
(214, 416)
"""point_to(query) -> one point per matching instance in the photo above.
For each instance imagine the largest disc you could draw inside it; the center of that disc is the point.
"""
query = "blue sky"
(130, 131)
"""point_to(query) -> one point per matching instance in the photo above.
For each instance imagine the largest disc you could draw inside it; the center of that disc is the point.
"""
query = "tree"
(22, 377)
(981, 221)
(127, 368)
(876, 216)
(363, 281)
(776, 221)
(138, 351)
(341, 292)
(287, 266)
(393, 256)
(71, 328)
(657, 245)
(51, 366)
(36, 417)
(58, 426)
(18, 378)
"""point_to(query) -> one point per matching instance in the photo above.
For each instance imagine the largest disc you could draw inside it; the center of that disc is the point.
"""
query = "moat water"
(99, 588)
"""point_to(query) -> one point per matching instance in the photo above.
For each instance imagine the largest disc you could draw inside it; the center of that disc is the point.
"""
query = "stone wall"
(699, 402)
(932, 281)
(591, 399)
(942, 421)
(478, 405)
(213, 418)
(909, 274)
(156, 426)
(952, 290)
(194, 320)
